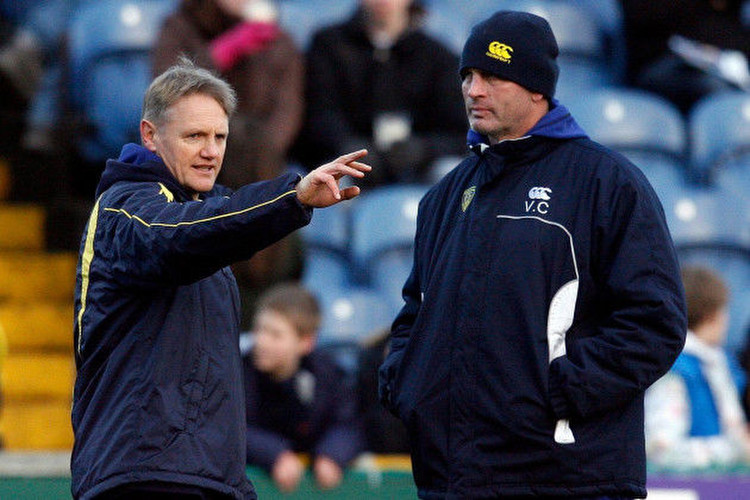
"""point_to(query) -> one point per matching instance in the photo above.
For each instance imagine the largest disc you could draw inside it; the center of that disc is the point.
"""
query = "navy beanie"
(515, 46)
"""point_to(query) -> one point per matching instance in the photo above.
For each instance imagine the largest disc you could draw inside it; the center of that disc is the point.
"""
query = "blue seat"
(350, 315)
(610, 19)
(663, 172)
(580, 76)
(326, 240)
(719, 126)
(632, 121)
(324, 271)
(733, 176)
(449, 23)
(384, 219)
(109, 45)
(389, 273)
(329, 229)
(699, 216)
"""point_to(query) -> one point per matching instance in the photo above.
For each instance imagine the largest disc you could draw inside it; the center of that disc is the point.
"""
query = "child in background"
(694, 417)
(297, 401)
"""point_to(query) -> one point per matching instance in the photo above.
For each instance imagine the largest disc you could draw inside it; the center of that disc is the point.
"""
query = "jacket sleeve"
(638, 328)
(152, 241)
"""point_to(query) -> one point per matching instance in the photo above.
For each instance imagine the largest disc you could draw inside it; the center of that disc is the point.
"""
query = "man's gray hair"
(184, 79)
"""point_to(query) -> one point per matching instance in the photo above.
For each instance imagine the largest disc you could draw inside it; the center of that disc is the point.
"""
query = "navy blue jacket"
(313, 412)
(158, 394)
(549, 247)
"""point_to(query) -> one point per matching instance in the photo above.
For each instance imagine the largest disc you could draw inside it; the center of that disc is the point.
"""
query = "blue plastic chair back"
(110, 69)
(733, 176)
(631, 120)
(389, 273)
(330, 228)
(325, 271)
(699, 216)
(351, 314)
(720, 130)
(384, 219)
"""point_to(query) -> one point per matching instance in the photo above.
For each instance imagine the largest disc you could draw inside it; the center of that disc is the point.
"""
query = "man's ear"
(148, 131)
(536, 97)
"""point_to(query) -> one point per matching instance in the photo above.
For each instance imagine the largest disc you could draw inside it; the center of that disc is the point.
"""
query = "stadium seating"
(109, 44)
(698, 215)
(350, 316)
(609, 17)
(712, 228)
(719, 126)
(641, 125)
(326, 242)
(36, 314)
(448, 22)
(384, 219)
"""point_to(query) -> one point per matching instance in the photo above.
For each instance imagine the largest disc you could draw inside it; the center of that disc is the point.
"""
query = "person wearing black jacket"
(378, 81)
(158, 407)
(544, 299)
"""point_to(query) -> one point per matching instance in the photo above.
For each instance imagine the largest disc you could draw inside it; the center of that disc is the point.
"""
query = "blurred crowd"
(380, 74)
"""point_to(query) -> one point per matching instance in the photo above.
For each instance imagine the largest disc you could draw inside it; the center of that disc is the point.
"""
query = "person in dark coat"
(380, 82)
(158, 407)
(544, 299)
(297, 398)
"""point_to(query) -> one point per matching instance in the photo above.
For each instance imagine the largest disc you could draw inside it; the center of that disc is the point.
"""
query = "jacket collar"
(555, 126)
(138, 164)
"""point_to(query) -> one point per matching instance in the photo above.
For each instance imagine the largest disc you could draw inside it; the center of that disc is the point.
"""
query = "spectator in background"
(296, 397)
(663, 58)
(378, 80)
(694, 418)
(20, 71)
(241, 40)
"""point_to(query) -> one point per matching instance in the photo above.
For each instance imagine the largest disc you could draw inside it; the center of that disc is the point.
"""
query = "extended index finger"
(349, 157)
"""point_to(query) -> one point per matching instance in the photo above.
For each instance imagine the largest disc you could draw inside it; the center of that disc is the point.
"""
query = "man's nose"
(211, 149)
(475, 86)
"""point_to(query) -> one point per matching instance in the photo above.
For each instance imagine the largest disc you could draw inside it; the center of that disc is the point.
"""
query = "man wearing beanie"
(544, 299)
